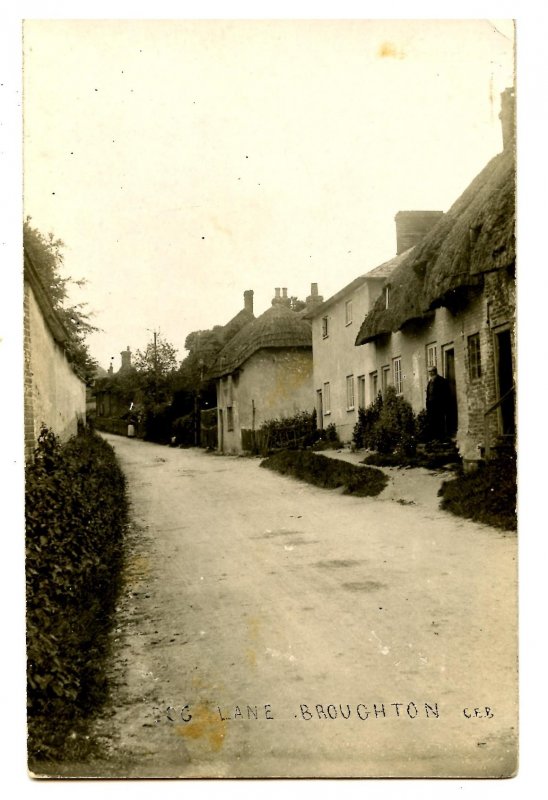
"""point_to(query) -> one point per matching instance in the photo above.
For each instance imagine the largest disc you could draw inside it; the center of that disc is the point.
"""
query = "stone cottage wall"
(272, 383)
(54, 395)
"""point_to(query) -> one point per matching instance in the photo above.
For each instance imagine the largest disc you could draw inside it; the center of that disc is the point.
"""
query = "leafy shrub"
(388, 425)
(75, 516)
(157, 424)
(328, 473)
(367, 419)
(290, 432)
(184, 430)
(486, 495)
(328, 438)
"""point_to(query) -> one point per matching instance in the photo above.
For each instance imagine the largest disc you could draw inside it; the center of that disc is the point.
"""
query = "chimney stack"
(314, 299)
(285, 299)
(248, 300)
(126, 359)
(276, 300)
(412, 226)
(507, 117)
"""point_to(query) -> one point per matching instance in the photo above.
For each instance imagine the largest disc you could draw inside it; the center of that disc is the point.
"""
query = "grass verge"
(328, 473)
(486, 495)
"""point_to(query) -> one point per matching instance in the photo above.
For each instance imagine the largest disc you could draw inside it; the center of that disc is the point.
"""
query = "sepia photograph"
(270, 380)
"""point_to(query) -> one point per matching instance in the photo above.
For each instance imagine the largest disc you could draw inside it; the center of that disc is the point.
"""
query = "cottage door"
(449, 372)
(505, 381)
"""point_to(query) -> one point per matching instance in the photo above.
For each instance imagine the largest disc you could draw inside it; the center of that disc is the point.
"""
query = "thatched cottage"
(451, 304)
(345, 377)
(264, 372)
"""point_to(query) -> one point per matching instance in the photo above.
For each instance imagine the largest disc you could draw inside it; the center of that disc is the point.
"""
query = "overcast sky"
(184, 162)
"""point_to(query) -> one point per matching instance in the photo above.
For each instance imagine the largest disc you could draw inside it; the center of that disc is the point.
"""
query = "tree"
(156, 369)
(46, 254)
(158, 358)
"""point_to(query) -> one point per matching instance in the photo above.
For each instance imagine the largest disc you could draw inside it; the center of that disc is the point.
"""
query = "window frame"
(347, 315)
(326, 398)
(350, 394)
(361, 391)
(431, 348)
(397, 375)
(473, 347)
(325, 327)
(385, 378)
(230, 418)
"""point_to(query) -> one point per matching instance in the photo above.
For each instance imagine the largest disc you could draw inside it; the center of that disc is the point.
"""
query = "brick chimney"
(507, 117)
(276, 300)
(412, 226)
(314, 299)
(248, 300)
(126, 360)
(285, 299)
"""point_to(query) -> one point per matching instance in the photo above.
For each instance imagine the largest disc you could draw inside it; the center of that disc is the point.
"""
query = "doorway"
(319, 409)
(452, 417)
(505, 381)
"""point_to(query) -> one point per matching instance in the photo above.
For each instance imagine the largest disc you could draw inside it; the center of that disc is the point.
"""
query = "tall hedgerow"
(75, 516)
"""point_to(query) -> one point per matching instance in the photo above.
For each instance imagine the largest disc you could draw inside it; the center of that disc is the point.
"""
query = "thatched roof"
(475, 236)
(381, 320)
(236, 324)
(279, 326)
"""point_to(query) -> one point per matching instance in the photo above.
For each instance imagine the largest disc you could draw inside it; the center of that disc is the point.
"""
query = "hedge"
(328, 473)
(75, 516)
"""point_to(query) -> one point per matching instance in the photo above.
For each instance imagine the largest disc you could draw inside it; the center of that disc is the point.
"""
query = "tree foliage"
(46, 254)
(158, 358)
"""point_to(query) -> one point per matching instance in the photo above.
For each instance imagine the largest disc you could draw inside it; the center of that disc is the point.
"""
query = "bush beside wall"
(75, 516)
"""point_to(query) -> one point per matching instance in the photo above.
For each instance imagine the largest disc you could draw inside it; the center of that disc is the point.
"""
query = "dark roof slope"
(277, 327)
(56, 327)
(236, 324)
(475, 236)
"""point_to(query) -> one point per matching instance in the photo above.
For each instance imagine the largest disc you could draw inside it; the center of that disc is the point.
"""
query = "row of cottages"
(450, 303)
(55, 396)
(264, 372)
(345, 376)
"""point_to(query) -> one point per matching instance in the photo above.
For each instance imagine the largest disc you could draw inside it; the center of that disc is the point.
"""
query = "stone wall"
(54, 395)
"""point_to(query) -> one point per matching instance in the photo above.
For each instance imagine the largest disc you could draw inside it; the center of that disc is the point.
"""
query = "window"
(349, 392)
(361, 391)
(385, 378)
(474, 357)
(348, 312)
(431, 356)
(398, 379)
(229, 419)
(386, 295)
(325, 327)
(373, 384)
(326, 398)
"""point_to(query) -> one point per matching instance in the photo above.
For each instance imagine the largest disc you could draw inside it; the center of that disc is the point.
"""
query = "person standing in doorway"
(438, 397)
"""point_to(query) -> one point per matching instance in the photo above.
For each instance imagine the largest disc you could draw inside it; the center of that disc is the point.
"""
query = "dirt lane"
(247, 588)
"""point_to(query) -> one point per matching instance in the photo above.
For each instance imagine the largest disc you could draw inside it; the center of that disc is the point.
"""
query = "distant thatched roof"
(236, 324)
(475, 236)
(279, 326)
